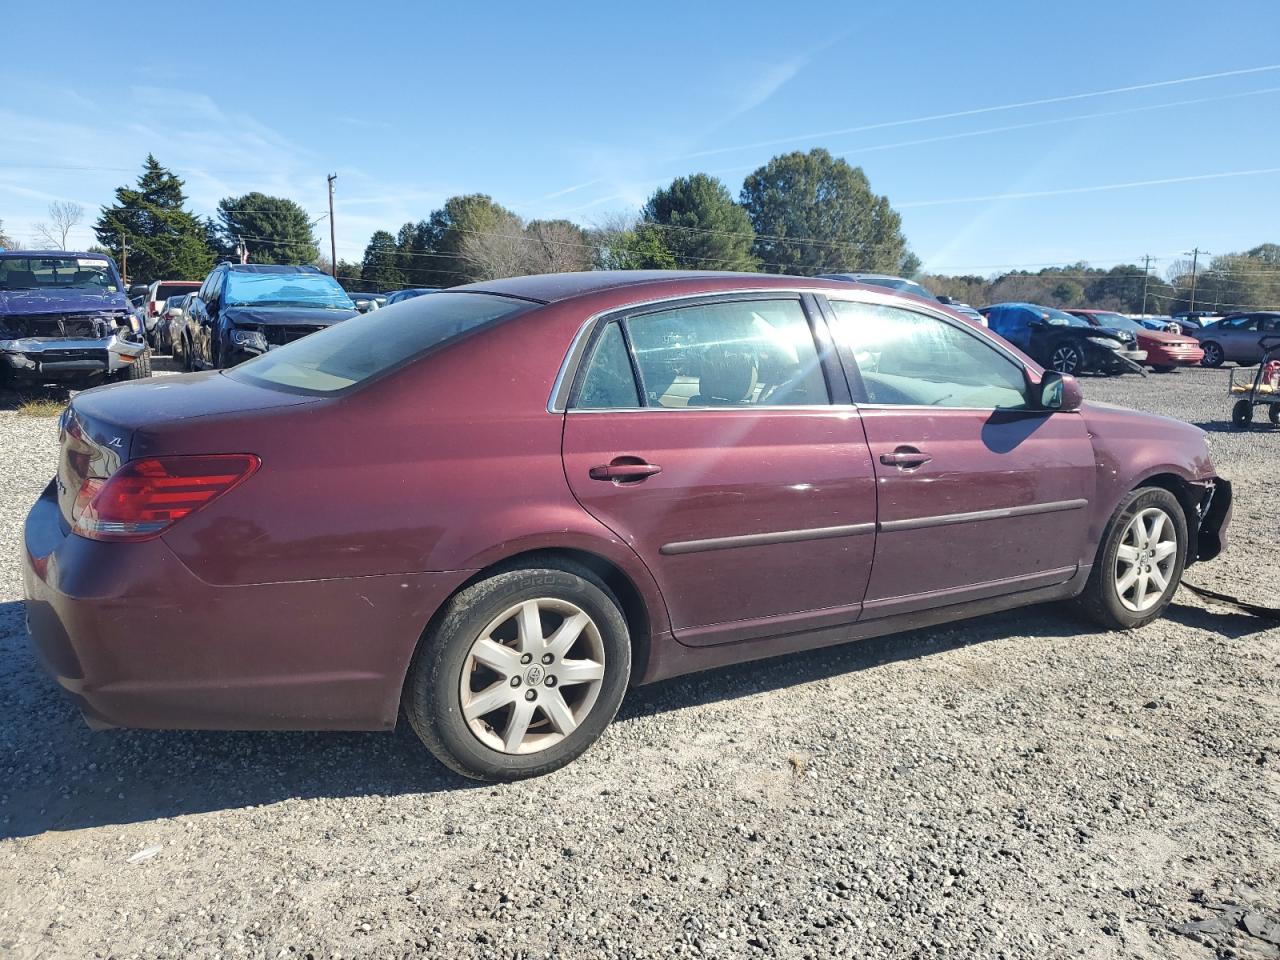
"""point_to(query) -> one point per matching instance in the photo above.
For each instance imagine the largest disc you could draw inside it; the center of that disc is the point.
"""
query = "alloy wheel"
(1212, 355)
(532, 675)
(1065, 359)
(1145, 559)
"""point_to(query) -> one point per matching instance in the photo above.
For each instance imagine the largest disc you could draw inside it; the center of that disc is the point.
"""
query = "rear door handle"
(624, 470)
(908, 458)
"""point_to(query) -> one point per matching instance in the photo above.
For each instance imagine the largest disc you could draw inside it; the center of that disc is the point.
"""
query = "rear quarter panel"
(452, 463)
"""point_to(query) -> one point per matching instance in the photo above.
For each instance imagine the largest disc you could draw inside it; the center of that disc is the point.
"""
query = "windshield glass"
(343, 355)
(58, 273)
(285, 290)
(1117, 321)
(1060, 318)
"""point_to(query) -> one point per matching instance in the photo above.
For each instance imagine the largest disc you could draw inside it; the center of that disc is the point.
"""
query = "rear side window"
(347, 353)
(608, 382)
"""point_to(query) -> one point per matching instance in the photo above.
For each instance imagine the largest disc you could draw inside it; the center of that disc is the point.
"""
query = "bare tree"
(499, 252)
(64, 215)
(556, 246)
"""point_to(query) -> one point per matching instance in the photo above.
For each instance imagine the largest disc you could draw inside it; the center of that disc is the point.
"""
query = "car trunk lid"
(106, 427)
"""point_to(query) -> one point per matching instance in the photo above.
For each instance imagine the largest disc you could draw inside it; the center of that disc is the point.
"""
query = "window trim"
(573, 368)
(854, 374)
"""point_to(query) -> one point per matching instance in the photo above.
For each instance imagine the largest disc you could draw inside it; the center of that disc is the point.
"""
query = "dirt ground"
(1018, 785)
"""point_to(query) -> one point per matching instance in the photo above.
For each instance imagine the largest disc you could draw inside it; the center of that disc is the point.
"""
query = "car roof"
(556, 287)
(55, 253)
(271, 268)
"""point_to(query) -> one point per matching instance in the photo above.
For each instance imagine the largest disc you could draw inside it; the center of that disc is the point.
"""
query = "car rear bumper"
(136, 639)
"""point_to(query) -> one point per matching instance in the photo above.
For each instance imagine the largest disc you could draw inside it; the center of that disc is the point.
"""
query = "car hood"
(17, 303)
(288, 316)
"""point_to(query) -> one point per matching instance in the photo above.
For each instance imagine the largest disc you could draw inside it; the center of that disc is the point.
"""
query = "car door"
(979, 493)
(716, 437)
(1239, 338)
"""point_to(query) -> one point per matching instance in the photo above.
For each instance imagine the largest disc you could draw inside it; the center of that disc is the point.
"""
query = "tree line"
(801, 213)
(1236, 281)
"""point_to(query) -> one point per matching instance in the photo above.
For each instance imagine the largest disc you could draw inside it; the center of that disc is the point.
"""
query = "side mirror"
(1060, 392)
(1038, 323)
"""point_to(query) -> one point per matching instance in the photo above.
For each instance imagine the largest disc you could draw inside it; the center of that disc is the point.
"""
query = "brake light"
(145, 497)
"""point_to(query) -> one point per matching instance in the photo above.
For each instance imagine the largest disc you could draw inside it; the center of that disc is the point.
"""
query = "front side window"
(909, 358)
(347, 353)
(740, 353)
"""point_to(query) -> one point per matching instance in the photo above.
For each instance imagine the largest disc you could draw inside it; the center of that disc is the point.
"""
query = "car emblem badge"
(114, 442)
(534, 676)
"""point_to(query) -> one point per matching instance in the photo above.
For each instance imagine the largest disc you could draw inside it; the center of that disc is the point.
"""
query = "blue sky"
(977, 120)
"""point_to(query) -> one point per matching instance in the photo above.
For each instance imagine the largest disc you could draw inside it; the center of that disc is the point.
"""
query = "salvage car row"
(66, 319)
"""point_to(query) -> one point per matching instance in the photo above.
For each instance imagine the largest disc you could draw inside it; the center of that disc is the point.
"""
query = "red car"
(1165, 351)
(496, 507)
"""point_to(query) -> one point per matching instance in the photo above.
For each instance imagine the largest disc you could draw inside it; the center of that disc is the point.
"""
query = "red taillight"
(145, 497)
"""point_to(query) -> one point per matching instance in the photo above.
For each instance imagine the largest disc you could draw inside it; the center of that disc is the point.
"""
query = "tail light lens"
(145, 497)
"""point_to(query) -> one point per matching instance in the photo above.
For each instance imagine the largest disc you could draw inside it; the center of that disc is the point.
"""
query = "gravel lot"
(1013, 786)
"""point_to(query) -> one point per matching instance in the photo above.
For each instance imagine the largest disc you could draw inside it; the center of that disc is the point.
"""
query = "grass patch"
(41, 407)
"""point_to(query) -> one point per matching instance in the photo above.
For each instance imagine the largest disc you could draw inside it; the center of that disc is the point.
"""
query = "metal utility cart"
(1253, 387)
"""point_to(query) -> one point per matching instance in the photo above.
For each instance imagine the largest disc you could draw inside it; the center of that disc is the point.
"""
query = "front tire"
(1242, 414)
(521, 674)
(1139, 562)
(1067, 358)
(1213, 355)
(140, 369)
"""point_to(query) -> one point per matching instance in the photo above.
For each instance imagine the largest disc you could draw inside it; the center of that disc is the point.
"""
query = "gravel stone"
(1013, 786)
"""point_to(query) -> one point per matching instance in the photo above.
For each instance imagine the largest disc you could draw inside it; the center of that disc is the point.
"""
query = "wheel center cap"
(533, 676)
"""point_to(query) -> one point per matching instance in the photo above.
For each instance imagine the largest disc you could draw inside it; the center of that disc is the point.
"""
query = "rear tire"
(1164, 369)
(476, 656)
(1242, 414)
(1113, 599)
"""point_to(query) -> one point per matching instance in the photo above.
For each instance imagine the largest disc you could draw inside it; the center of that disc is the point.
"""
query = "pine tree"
(166, 241)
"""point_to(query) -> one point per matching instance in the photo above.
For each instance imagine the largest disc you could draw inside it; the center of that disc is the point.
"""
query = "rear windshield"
(354, 350)
(168, 291)
(58, 273)
(285, 290)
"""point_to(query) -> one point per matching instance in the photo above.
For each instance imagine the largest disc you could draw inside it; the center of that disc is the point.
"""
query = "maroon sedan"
(496, 507)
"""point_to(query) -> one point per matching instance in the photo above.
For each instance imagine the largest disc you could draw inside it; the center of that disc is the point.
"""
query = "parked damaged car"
(492, 510)
(65, 321)
(1166, 350)
(1062, 342)
(243, 310)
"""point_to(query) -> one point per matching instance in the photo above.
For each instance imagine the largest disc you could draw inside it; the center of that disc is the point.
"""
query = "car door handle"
(624, 470)
(908, 458)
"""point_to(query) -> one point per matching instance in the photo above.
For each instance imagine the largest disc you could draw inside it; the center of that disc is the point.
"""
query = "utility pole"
(124, 258)
(1146, 275)
(333, 234)
(1195, 258)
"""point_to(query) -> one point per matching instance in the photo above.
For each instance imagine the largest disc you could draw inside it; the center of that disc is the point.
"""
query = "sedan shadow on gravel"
(58, 775)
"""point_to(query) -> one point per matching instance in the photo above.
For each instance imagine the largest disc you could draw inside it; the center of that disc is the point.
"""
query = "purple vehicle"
(64, 320)
(494, 508)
